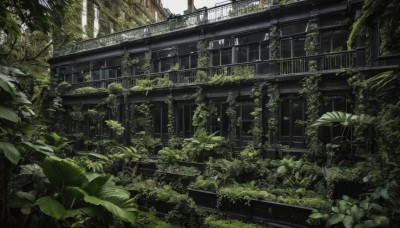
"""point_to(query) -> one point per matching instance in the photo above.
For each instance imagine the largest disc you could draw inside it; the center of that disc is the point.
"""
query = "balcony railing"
(218, 13)
(285, 67)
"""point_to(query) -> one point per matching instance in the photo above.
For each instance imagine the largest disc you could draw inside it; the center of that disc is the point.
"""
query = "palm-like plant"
(201, 146)
(350, 123)
(80, 194)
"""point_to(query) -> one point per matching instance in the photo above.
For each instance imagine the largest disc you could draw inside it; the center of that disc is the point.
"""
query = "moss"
(215, 222)
(88, 89)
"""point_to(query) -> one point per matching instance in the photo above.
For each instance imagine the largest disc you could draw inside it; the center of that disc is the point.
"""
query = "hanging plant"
(272, 107)
(232, 114)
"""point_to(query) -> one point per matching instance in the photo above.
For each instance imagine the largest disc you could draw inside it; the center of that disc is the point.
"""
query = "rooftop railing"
(202, 16)
(331, 62)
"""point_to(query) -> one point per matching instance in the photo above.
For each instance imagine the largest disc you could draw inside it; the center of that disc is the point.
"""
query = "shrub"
(114, 88)
(215, 222)
(115, 126)
(88, 89)
(63, 87)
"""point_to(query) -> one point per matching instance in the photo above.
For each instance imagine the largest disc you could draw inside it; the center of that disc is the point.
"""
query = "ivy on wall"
(171, 119)
(312, 97)
(232, 114)
(202, 52)
(272, 106)
(201, 113)
(257, 94)
(359, 86)
(311, 44)
(275, 45)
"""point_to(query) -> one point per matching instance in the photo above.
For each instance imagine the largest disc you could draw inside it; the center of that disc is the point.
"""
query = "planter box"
(238, 209)
(204, 199)
(146, 172)
(199, 166)
(348, 188)
(280, 213)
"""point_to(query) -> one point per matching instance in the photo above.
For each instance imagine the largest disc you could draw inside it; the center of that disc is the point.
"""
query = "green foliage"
(257, 95)
(201, 76)
(92, 192)
(205, 184)
(272, 107)
(115, 126)
(63, 87)
(85, 90)
(203, 146)
(238, 74)
(245, 10)
(244, 192)
(171, 156)
(149, 220)
(145, 143)
(354, 213)
(344, 119)
(275, 44)
(232, 114)
(171, 121)
(114, 88)
(149, 84)
(201, 113)
(202, 53)
(215, 222)
(313, 102)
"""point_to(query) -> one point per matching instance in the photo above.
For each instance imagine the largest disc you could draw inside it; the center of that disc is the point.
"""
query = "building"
(253, 67)
(156, 9)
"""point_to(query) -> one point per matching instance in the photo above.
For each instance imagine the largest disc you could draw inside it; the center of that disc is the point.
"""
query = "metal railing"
(218, 13)
(298, 65)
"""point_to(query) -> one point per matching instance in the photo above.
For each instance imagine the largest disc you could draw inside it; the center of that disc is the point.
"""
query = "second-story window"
(160, 121)
(219, 121)
(81, 73)
(251, 47)
(293, 40)
(96, 69)
(137, 61)
(112, 69)
(65, 73)
(163, 60)
(187, 57)
(184, 116)
(220, 52)
(333, 40)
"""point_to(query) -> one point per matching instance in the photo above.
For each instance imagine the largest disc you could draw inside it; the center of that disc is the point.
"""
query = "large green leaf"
(10, 152)
(8, 114)
(126, 214)
(344, 119)
(335, 218)
(62, 172)
(7, 85)
(55, 209)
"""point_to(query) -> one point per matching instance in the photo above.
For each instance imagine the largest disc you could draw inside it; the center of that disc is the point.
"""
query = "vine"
(257, 93)
(275, 42)
(272, 107)
(232, 114)
(201, 114)
(147, 64)
(313, 106)
(112, 103)
(202, 51)
(311, 44)
(171, 120)
(359, 85)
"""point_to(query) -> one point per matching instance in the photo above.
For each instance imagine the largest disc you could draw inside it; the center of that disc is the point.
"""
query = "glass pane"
(224, 120)
(339, 104)
(339, 38)
(293, 29)
(226, 56)
(157, 120)
(193, 61)
(246, 127)
(156, 67)
(215, 58)
(253, 52)
(326, 41)
(297, 120)
(187, 121)
(247, 109)
(184, 62)
(285, 118)
(286, 48)
(241, 54)
(167, 64)
(96, 74)
(298, 47)
(179, 121)
(164, 118)
(265, 51)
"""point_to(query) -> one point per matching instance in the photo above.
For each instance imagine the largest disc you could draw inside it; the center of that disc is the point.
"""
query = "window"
(112, 69)
(163, 60)
(221, 52)
(137, 63)
(187, 56)
(183, 120)
(292, 122)
(246, 119)
(65, 73)
(160, 121)
(219, 122)
(293, 29)
(333, 41)
(292, 47)
(96, 69)
(251, 47)
(82, 70)
(333, 103)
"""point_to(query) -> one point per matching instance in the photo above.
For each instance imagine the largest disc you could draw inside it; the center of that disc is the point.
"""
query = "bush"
(114, 88)
(214, 222)
(88, 89)
(115, 126)
(63, 87)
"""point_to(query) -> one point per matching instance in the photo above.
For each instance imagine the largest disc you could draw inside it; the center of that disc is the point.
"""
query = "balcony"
(203, 16)
(324, 63)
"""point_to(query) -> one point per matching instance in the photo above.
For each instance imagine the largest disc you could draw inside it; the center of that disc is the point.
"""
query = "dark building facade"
(261, 71)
